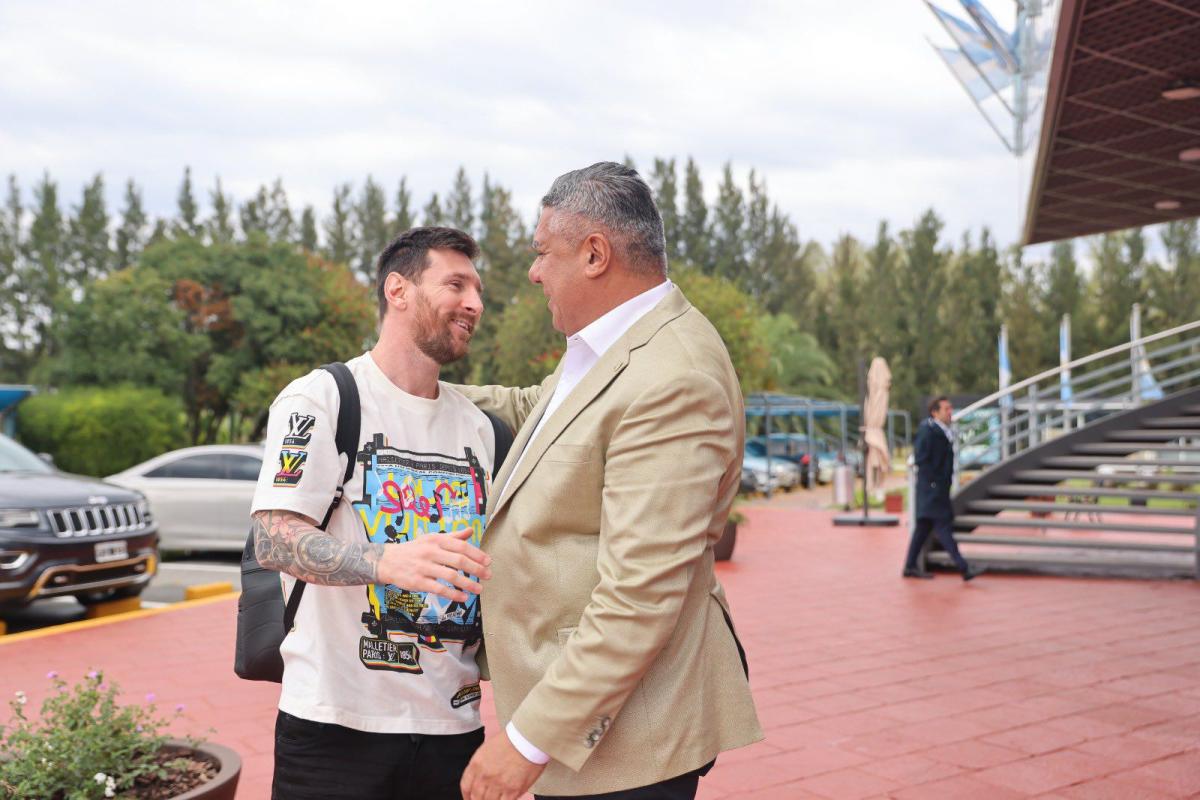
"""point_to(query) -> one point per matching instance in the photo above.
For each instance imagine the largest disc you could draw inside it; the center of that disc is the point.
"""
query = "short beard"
(435, 341)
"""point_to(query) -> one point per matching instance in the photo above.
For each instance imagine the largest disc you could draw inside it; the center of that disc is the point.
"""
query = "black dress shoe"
(917, 573)
(972, 573)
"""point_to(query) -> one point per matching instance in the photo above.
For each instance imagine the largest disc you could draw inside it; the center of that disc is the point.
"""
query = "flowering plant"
(83, 745)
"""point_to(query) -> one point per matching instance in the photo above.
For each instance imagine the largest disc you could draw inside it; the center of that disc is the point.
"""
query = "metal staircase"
(1098, 467)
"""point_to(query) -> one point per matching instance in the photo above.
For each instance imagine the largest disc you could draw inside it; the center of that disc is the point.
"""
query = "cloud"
(843, 107)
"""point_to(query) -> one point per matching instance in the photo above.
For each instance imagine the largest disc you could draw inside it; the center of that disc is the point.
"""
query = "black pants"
(320, 761)
(682, 787)
(942, 528)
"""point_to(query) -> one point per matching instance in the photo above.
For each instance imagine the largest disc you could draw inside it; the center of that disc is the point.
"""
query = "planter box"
(893, 503)
(224, 785)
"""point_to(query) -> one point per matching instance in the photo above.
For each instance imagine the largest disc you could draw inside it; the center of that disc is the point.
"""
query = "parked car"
(200, 496)
(63, 534)
(782, 475)
(791, 447)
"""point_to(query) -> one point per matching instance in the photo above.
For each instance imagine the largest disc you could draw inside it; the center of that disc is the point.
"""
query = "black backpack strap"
(504, 440)
(349, 420)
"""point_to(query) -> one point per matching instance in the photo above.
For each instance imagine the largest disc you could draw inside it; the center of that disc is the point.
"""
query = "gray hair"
(616, 197)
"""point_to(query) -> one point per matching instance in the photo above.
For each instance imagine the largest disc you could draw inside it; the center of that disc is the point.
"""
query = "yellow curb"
(200, 590)
(69, 627)
(111, 607)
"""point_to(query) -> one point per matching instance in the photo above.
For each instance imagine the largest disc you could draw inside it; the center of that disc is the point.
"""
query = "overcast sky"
(842, 105)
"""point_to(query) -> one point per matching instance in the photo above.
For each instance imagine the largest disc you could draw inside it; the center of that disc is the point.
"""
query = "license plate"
(110, 551)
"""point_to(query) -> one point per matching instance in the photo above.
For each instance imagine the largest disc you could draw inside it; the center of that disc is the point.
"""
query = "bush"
(84, 745)
(101, 431)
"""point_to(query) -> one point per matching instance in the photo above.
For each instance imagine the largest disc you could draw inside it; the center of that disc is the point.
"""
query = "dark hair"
(408, 254)
(615, 196)
(936, 403)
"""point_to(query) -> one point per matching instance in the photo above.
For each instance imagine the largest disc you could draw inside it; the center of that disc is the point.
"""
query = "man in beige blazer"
(608, 638)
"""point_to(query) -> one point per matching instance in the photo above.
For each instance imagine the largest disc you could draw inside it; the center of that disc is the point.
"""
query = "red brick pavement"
(868, 685)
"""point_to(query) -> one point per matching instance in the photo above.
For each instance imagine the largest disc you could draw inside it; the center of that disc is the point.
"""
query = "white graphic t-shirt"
(380, 658)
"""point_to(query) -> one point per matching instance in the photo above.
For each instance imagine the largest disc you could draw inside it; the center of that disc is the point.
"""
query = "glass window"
(15, 458)
(208, 465)
(244, 468)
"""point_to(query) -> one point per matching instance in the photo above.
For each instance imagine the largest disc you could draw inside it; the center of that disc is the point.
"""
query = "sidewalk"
(868, 685)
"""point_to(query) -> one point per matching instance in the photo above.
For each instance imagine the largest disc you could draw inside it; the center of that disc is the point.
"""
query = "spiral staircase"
(1098, 466)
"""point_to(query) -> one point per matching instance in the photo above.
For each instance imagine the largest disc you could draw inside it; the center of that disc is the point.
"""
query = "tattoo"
(288, 542)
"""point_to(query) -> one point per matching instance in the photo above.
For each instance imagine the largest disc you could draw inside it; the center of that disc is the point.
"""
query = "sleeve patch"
(300, 428)
(291, 467)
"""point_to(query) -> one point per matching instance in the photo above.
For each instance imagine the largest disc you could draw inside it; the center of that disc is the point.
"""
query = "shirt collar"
(603, 333)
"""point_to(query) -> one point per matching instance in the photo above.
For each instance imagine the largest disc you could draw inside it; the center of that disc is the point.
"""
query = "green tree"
(1117, 283)
(214, 324)
(879, 294)
(971, 317)
(278, 219)
(797, 363)
(341, 242)
(432, 214)
(1028, 325)
(728, 232)
(1064, 291)
(403, 220)
(253, 214)
(503, 262)
(308, 229)
(89, 243)
(16, 341)
(220, 225)
(187, 220)
(46, 284)
(1174, 288)
(370, 216)
(530, 348)
(460, 211)
(131, 233)
(921, 284)
(845, 323)
(695, 232)
(666, 195)
(737, 317)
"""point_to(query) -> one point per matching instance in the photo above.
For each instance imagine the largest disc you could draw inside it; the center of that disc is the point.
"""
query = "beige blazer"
(604, 630)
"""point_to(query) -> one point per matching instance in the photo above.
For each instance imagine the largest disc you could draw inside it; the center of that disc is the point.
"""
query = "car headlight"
(19, 518)
(761, 476)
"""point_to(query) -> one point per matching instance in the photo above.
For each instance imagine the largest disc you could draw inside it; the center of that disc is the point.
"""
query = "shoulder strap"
(349, 420)
(504, 440)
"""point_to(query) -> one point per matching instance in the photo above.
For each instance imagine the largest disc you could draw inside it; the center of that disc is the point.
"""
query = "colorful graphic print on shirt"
(293, 454)
(408, 495)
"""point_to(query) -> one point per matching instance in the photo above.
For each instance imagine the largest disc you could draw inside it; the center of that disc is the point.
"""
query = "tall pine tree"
(89, 243)
(695, 233)
(666, 195)
(131, 233)
(187, 214)
(341, 242)
(220, 224)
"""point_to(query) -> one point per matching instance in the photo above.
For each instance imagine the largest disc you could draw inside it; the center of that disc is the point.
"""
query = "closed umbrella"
(879, 460)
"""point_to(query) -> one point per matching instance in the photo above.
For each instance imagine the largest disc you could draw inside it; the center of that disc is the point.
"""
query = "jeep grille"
(97, 520)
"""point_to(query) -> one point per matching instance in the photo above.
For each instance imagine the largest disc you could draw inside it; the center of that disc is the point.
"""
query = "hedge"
(101, 431)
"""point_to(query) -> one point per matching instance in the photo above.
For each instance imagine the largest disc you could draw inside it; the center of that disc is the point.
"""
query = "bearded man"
(380, 693)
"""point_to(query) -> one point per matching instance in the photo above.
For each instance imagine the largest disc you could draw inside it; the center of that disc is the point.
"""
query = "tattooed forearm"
(290, 543)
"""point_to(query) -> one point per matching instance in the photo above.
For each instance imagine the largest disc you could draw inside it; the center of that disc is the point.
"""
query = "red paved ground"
(868, 685)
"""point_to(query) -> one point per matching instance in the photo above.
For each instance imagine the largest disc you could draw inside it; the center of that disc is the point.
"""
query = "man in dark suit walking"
(934, 455)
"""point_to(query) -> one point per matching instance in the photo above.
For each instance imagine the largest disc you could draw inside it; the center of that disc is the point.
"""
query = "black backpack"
(263, 620)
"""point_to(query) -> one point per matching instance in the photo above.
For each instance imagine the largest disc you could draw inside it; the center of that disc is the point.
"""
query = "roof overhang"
(1110, 142)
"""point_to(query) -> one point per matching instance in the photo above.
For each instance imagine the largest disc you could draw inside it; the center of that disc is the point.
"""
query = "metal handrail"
(1121, 348)
(1031, 410)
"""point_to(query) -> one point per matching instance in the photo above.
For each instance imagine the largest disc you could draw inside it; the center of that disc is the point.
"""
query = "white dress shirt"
(584, 349)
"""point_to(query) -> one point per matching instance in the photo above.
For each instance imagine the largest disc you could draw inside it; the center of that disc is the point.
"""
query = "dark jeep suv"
(64, 534)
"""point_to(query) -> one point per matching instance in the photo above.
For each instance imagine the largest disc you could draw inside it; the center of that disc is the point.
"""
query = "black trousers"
(943, 529)
(320, 761)
(682, 787)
